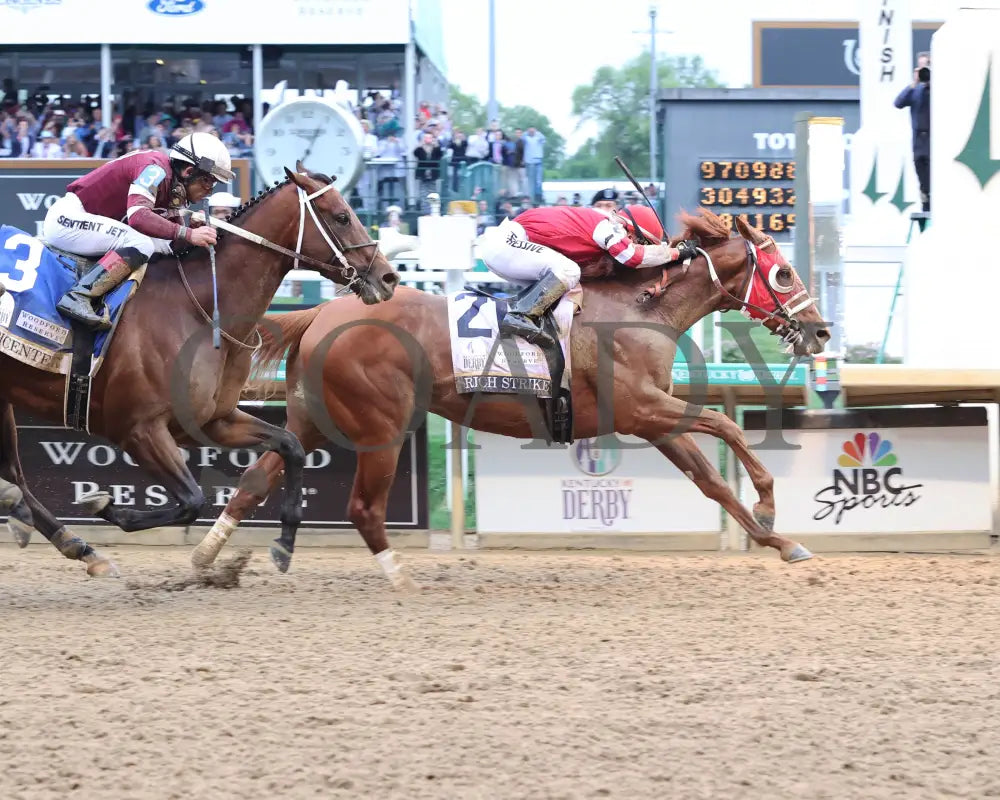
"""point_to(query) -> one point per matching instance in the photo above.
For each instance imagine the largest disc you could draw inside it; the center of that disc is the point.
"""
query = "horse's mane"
(707, 227)
(253, 202)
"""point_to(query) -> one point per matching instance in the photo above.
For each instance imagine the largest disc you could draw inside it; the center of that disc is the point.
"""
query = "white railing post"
(446, 243)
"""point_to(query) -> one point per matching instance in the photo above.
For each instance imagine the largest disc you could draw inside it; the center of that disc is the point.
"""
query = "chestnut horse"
(162, 383)
(373, 383)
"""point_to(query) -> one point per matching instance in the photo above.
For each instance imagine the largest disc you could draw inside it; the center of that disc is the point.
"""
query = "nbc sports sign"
(878, 471)
(591, 488)
(867, 476)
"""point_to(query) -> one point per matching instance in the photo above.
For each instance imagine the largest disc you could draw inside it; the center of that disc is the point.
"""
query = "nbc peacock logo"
(868, 475)
(871, 449)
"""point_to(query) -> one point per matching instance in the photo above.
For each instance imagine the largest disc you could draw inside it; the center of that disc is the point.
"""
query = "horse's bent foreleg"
(722, 427)
(240, 429)
(255, 486)
(366, 508)
(154, 449)
(20, 522)
(25, 511)
(685, 454)
(656, 422)
(12, 502)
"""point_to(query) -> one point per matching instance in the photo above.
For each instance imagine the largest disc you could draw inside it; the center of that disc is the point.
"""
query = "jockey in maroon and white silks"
(548, 244)
(120, 211)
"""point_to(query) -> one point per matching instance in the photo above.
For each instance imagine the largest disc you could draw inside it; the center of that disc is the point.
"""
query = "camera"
(924, 74)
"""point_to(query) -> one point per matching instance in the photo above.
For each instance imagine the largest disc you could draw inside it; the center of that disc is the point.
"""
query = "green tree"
(584, 164)
(618, 100)
(466, 110)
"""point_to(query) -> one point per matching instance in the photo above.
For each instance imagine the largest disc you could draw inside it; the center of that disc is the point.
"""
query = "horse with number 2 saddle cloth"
(485, 363)
(33, 277)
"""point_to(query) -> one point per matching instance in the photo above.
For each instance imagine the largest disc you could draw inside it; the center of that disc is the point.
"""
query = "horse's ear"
(298, 178)
(300, 167)
(749, 232)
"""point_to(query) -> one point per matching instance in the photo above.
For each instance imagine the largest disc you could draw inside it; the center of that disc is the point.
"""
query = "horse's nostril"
(391, 280)
(822, 333)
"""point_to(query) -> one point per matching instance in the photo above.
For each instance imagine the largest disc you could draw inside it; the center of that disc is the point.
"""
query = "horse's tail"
(278, 333)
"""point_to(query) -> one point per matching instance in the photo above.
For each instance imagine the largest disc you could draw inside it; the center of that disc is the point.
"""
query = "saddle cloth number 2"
(464, 326)
(27, 266)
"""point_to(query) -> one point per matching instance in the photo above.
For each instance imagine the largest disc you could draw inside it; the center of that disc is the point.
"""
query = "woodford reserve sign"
(64, 465)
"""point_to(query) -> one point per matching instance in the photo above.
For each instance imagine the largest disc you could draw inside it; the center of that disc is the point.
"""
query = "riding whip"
(638, 188)
(216, 323)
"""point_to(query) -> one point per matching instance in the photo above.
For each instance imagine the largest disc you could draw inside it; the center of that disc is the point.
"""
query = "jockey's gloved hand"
(686, 249)
(204, 236)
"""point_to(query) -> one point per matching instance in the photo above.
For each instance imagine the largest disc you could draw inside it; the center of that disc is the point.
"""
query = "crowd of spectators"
(52, 127)
(63, 128)
(520, 154)
(507, 205)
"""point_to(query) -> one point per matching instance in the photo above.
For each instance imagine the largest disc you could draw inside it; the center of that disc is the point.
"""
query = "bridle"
(348, 273)
(338, 248)
(789, 328)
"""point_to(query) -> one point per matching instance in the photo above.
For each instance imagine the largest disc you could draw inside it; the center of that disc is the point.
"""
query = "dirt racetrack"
(509, 675)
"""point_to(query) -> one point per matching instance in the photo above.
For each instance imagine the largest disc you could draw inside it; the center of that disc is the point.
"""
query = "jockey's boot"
(524, 315)
(114, 267)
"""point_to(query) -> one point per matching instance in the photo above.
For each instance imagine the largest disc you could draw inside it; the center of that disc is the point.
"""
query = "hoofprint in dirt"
(515, 675)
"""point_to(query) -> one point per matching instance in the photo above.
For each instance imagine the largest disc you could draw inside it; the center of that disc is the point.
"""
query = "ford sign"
(176, 8)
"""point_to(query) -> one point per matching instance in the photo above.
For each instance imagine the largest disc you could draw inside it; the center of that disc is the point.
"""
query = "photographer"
(918, 97)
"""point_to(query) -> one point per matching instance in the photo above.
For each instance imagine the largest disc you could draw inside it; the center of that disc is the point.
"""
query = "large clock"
(327, 138)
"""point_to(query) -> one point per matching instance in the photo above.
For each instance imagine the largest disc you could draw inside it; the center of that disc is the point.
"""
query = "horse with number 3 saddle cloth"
(34, 276)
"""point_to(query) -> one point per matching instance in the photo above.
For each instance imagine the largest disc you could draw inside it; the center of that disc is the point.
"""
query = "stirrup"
(70, 307)
(528, 329)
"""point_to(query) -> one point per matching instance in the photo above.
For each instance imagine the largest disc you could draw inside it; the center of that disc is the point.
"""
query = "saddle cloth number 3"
(27, 266)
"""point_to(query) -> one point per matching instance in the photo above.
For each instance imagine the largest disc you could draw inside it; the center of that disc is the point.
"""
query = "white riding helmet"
(207, 153)
(223, 200)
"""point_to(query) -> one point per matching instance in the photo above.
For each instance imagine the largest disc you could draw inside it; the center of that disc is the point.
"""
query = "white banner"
(884, 480)
(946, 266)
(883, 180)
(580, 488)
(204, 22)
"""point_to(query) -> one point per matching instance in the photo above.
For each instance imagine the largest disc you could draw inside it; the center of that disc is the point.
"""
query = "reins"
(214, 323)
(790, 329)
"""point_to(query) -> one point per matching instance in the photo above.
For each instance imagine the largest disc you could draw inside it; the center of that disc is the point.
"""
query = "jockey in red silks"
(120, 212)
(546, 245)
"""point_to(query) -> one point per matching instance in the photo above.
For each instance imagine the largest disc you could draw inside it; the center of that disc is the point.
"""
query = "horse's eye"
(785, 276)
(342, 219)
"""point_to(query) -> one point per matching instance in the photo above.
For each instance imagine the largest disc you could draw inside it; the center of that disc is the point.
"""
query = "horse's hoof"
(406, 585)
(796, 553)
(280, 556)
(402, 582)
(20, 531)
(101, 567)
(10, 495)
(95, 502)
(206, 552)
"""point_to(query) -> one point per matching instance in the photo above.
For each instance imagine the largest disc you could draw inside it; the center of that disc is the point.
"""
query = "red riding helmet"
(643, 217)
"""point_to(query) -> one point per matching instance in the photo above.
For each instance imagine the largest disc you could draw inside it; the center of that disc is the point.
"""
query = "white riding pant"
(69, 227)
(507, 251)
